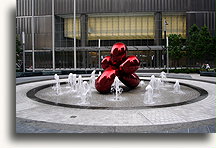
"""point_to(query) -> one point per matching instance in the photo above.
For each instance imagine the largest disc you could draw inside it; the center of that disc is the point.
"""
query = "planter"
(208, 73)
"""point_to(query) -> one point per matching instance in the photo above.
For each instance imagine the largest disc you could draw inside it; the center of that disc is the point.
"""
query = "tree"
(175, 48)
(206, 45)
(200, 45)
(18, 49)
(192, 49)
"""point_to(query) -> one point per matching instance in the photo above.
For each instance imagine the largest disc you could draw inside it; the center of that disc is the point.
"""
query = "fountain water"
(148, 99)
(99, 73)
(153, 82)
(78, 88)
(74, 82)
(92, 79)
(177, 87)
(163, 77)
(142, 84)
(87, 89)
(86, 93)
(117, 89)
(81, 89)
(156, 84)
(57, 86)
(70, 79)
(79, 84)
(159, 83)
(82, 92)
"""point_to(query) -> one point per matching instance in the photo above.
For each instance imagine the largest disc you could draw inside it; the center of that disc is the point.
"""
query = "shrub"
(184, 70)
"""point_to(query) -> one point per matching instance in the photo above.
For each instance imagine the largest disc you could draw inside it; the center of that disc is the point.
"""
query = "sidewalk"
(35, 117)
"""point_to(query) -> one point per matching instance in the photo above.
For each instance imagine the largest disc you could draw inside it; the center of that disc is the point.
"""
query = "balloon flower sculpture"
(120, 65)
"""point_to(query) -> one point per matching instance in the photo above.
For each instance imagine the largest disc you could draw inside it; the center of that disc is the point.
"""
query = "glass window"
(176, 24)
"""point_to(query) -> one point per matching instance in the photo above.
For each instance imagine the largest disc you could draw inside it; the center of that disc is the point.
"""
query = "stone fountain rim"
(31, 95)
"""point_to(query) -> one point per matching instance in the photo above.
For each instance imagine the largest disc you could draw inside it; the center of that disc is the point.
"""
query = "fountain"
(153, 82)
(85, 93)
(163, 75)
(79, 85)
(128, 106)
(159, 83)
(133, 104)
(92, 79)
(148, 99)
(70, 80)
(91, 93)
(116, 89)
(79, 88)
(142, 84)
(74, 82)
(99, 73)
(81, 93)
(57, 86)
(177, 87)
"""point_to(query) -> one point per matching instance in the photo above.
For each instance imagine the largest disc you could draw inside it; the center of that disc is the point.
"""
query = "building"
(140, 24)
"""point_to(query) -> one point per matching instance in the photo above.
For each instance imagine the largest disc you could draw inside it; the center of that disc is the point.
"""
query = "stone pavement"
(29, 126)
(35, 117)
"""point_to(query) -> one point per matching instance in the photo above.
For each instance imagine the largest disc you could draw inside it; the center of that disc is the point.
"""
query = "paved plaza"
(192, 117)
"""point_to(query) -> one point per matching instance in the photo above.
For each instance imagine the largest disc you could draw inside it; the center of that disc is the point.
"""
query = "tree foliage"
(206, 43)
(175, 47)
(193, 50)
(18, 48)
(200, 44)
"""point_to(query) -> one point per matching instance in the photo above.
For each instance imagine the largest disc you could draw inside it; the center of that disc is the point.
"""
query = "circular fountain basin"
(129, 99)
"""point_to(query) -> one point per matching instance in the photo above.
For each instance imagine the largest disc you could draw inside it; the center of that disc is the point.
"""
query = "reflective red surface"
(120, 65)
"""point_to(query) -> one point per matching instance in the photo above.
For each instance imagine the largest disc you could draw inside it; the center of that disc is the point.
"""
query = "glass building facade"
(125, 26)
(48, 27)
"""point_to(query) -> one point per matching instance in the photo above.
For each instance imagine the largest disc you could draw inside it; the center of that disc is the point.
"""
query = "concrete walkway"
(35, 117)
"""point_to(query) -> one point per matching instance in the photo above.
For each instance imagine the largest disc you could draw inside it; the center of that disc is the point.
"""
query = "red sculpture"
(120, 65)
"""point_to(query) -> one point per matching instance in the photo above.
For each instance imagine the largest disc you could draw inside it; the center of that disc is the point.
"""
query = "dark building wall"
(83, 28)
(201, 19)
(42, 31)
(60, 40)
(158, 27)
(200, 12)
(43, 7)
(120, 6)
(23, 7)
(201, 5)
(24, 25)
(126, 6)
